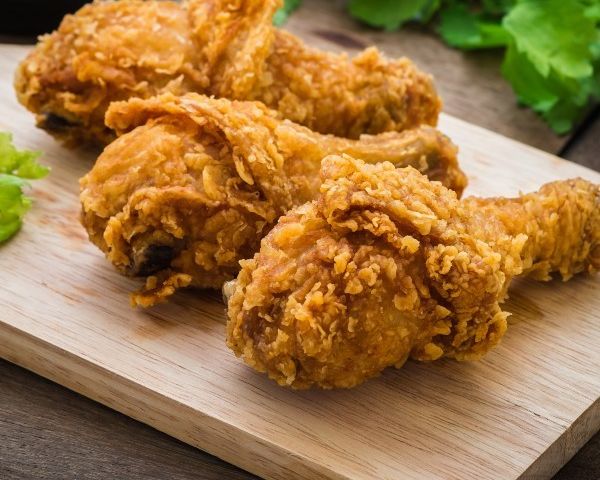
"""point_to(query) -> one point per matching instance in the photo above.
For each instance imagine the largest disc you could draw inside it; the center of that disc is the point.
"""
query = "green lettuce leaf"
(15, 167)
(391, 14)
(21, 163)
(554, 35)
(461, 28)
(497, 7)
(560, 100)
(13, 205)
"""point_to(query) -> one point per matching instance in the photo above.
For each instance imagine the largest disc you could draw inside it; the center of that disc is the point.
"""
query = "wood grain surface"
(49, 432)
(523, 411)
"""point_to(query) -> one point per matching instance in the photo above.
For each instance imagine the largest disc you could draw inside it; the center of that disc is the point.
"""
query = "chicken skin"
(193, 183)
(386, 265)
(115, 50)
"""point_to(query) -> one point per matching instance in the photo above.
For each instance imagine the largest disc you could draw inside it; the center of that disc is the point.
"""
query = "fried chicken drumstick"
(110, 51)
(197, 182)
(387, 265)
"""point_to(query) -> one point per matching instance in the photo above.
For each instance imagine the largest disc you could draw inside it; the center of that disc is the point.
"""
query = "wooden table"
(47, 431)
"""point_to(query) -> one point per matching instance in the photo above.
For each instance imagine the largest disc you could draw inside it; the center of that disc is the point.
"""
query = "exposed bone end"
(228, 290)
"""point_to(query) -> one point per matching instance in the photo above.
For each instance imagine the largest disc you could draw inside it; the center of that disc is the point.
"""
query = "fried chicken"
(110, 51)
(386, 265)
(196, 182)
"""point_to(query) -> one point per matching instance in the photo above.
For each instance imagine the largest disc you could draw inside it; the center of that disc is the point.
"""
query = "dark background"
(34, 17)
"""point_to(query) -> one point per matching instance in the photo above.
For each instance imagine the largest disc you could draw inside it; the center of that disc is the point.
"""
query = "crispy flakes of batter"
(197, 182)
(158, 290)
(110, 51)
(387, 265)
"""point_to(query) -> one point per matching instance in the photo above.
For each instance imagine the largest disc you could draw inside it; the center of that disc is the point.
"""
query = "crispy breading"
(386, 265)
(110, 51)
(197, 182)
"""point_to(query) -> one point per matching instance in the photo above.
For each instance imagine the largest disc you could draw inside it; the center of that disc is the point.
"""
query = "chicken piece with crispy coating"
(111, 51)
(387, 265)
(197, 182)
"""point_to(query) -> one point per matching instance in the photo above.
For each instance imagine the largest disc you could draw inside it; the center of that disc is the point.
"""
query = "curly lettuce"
(16, 167)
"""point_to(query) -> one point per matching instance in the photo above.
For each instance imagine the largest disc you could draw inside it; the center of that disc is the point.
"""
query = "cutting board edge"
(566, 445)
(19, 347)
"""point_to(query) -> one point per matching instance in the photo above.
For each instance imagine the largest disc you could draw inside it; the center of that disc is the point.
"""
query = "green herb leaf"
(284, 12)
(391, 14)
(21, 163)
(554, 35)
(593, 11)
(13, 205)
(427, 13)
(560, 100)
(15, 166)
(461, 28)
(497, 7)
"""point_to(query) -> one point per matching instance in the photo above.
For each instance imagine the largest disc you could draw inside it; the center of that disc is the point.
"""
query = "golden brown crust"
(204, 179)
(387, 265)
(111, 51)
(107, 51)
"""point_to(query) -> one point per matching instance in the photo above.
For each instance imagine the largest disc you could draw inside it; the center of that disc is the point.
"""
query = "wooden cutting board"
(522, 412)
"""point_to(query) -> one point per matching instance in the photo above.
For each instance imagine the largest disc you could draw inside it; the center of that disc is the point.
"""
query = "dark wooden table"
(47, 431)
